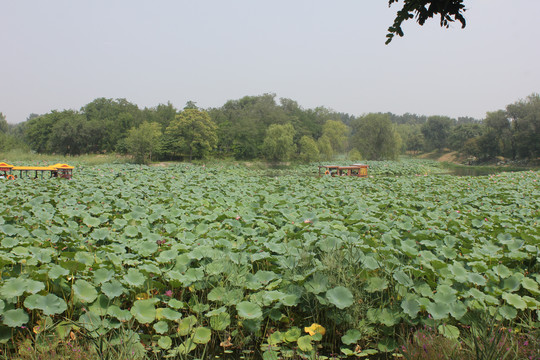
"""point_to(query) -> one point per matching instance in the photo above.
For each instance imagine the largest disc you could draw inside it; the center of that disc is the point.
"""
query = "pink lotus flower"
(168, 293)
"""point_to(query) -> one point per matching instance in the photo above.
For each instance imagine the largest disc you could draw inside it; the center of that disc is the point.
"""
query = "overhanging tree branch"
(448, 10)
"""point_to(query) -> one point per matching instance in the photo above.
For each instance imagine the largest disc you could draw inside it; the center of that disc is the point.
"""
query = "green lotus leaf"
(13, 288)
(270, 355)
(167, 256)
(530, 285)
(249, 310)
(512, 283)
(91, 221)
(147, 248)
(217, 294)
(220, 321)
(116, 312)
(100, 234)
(131, 231)
(161, 327)
(410, 307)
(85, 258)
(100, 306)
(438, 310)
(477, 279)
(112, 289)
(164, 342)
(318, 284)
(458, 310)
(265, 276)
(370, 263)
(459, 272)
(202, 335)
(50, 304)
(176, 304)
(2, 306)
(340, 296)
(144, 311)
(375, 284)
(5, 332)
(186, 325)
(10, 242)
(169, 314)
(15, 318)
(304, 343)
(57, 271)
(351, 337)
(292, 334)
(186, 347)
(384, 316)
(200, 308)
(515, 300)
(90, 321)
(85, 291)
(508, 312)
(150, 269)
(135, 278)
(33, 286)
(102, 275)
(449, 331)
(192, 275)
(403, 278)
(215, 312)
(502, 271)
(8, 229)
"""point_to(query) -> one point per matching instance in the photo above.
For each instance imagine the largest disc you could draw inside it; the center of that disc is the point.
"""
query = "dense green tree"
(375, 137)
(162, 114)
(242, 124)
(436, 131)
(278, 143)
(337, 133)
(448, 10)
(461, 133)
(525, 121)
(325, 148)
(354, 155)
(192, 133)
(110, 121)
(3, 124)
(143, 141)
(497, 137)
(69, 134)
(309, 150)
(38, 130)
(411, 135)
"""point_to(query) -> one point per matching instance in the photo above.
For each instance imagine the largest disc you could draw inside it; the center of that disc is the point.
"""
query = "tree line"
(263, 127)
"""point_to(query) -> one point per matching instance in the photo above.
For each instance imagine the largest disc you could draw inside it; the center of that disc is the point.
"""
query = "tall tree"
(375, 137)
(436, 131)
(461, 133)
(525, 117)
(69, 134)
(325, 148)
(278, 144)
(110, 120)
(193, 133)
(143, 141)
(308, 149)
(3, 124)
(337, 133)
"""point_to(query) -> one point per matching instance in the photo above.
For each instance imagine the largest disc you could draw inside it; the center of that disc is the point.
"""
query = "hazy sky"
(64, 54)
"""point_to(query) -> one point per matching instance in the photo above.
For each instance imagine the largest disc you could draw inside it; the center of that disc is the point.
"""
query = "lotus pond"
(186, 261)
